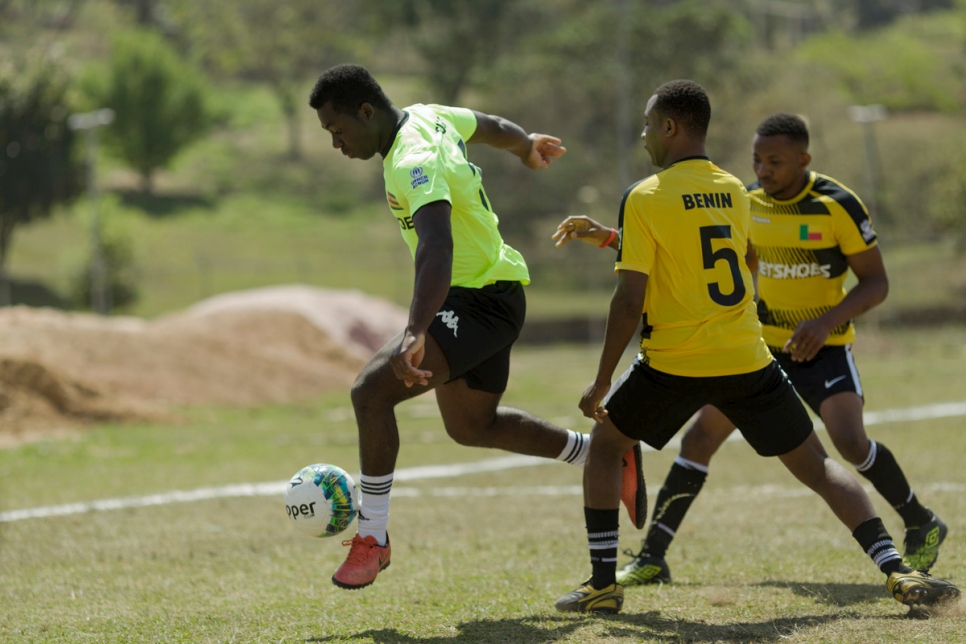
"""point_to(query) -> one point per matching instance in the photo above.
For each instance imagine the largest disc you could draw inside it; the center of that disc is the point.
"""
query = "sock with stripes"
(680, 488)
(374, 506)
(877, 543)
(575, 452)
(602, 541)
(882, 470)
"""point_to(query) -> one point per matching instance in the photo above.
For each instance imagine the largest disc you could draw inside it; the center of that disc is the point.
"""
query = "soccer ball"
(321, 500)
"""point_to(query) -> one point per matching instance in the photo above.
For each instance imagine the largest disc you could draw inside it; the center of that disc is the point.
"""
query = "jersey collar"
(695, 157)
(801, 193)
(392, 140)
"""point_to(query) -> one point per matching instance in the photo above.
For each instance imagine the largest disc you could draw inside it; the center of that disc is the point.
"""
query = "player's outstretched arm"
(586, 230)
(535, 150)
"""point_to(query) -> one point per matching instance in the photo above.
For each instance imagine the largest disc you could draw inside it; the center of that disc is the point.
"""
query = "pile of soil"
(62, 370)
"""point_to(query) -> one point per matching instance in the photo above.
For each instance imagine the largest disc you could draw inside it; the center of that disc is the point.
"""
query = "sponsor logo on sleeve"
(418, 176)
(868, 233)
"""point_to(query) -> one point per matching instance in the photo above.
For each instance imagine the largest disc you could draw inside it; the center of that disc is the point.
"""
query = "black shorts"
(651, 406)
(830, 372)
(475, 328)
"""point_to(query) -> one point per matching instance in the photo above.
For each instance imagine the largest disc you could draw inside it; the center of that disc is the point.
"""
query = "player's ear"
(805, 159)
(670, 126)
(366, 111)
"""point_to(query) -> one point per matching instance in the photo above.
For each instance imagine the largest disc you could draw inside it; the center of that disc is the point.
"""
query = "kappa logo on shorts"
(450, 319)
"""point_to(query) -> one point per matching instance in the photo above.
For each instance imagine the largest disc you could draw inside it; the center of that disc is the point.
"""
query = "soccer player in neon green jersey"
(468, 303)
(807, 231)
(681, 261)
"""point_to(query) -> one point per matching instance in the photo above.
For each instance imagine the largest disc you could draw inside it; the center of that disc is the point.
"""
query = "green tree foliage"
(455, 39)
(565, 78)
(889, 67)
(948, 204)
(38, 167)
(158, 100)
(283, 44)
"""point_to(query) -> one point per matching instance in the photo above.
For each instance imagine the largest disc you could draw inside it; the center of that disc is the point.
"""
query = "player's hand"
(809, 337)
(543, 151)
(583, 228)
(406, 358)
(590, 402)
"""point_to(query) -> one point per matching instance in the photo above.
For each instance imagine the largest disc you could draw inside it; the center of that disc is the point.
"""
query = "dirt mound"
(59, 370)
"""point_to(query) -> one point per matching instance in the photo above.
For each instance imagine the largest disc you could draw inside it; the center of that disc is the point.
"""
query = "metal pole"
(867, 115)
(89, 122)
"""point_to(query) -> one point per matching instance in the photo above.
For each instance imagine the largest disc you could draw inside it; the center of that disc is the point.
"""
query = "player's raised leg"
(375, 394)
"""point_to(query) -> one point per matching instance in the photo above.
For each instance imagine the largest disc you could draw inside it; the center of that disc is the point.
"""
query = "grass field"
(477, 558)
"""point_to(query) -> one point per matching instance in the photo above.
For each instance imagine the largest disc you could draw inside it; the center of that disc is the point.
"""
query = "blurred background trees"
(211, 99)
(39, 168)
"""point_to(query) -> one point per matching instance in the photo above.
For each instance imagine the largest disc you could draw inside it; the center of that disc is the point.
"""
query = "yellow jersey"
(802, 244)
(686, 228)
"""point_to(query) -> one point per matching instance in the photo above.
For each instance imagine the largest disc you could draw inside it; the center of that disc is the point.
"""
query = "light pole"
(89, 122)
(867, 115)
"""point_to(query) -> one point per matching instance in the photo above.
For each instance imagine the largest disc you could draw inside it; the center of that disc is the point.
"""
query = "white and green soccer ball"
(321, 500)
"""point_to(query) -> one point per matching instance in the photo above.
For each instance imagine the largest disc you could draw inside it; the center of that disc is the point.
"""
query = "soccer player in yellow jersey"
(681, 261)
(468, 303)
(807, 231)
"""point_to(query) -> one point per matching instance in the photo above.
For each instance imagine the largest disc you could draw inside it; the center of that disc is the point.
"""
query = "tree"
(455, 38)
(158, 100)
(282, 44)
(38, 167)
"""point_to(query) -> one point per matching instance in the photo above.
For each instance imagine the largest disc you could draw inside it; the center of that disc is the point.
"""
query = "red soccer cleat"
(633, 489)
(366, 558)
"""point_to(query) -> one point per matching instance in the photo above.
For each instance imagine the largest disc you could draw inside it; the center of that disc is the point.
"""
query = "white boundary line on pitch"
(911, 414)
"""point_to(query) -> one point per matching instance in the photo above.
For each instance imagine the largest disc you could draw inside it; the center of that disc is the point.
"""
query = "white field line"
(911, 414)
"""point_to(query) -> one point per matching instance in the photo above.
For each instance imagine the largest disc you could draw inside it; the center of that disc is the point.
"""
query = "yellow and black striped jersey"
(802, 244)
(686, 228)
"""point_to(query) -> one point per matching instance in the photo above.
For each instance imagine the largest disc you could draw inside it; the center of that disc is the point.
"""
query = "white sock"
(575, 452)
(374, 506)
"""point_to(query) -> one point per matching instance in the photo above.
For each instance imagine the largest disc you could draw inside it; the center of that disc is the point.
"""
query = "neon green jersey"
(686, 228)
(428, 162)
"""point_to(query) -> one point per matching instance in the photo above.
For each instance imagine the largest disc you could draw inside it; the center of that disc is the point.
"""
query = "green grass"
(758, 560)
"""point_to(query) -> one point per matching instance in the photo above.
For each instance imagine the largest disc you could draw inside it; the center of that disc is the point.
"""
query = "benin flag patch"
(805, 235)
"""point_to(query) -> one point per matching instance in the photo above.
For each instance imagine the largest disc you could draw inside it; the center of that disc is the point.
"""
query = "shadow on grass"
(832, 594)
(156, 205)
(648, 626)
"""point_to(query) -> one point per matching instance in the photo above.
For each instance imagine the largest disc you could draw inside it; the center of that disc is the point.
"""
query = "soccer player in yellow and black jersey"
(681, 261)
(468, 303)
(807, 231)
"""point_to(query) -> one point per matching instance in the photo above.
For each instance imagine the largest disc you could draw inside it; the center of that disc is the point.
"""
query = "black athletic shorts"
(476, 327)
(651, 406)
(830, 372)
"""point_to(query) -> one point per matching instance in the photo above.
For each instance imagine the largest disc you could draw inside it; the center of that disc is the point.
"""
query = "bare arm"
(535, 150)
(871, 290)
(626, 306)
(434, 269)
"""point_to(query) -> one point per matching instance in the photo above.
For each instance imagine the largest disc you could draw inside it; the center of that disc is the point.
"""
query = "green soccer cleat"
(919, 589)
(587, 599)
(922, 544)
(643, 569)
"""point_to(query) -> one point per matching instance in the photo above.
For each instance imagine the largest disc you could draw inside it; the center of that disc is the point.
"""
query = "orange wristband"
(613, 233)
